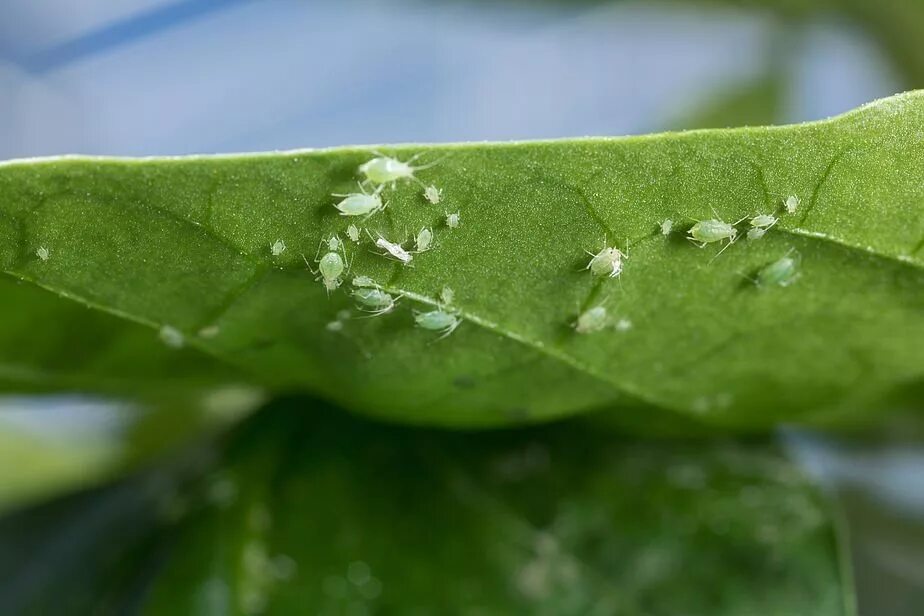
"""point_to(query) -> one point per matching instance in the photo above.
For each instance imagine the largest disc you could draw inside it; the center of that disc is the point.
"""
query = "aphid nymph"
(423, 240)
(763, 221)
(362, 203)
(713, 230)
(607, 262)
(792, 204)
(667, 226)
(364, 281)
(383, 169)
(447, 296)
(171, 336)
(433, 194)
(278, 248)
(592, 320)
(42, 253)
(453, 220)
(755, 233)
(781, 273)
(438, 321)
(353, 233)
(374, 301)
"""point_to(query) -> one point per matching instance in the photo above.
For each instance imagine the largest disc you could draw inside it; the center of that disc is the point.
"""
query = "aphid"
(713, 230)
(607, 262)
(791, 204)
(433, 194)
(42, 253)
(756, 233)
(592, 320)
(364, 281)
(763, 221)
(453, 220)
(353, 233)
(360, 204)
(171, 336)
(623, 325)
(424, 239)
(781, 273)
(375, 301)
(438, 321)
(209, 331)
(447, 296)
(667, 226)
(395, 250)
(334, 243)
(278, 248)
(383, 170)
(330, 266)
(334, 326)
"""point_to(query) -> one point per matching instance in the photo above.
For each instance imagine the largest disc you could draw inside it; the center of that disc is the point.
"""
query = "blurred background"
(171, 77)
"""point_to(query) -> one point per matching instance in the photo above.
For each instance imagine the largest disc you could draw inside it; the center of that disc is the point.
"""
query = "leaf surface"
(186, 243)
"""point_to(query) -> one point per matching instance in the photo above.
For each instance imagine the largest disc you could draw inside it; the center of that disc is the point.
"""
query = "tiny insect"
(383, 170)
(394, 250)
(209, 331)
(791, 204)
(334, 326)
(364, 281)
(781, 273)
(330, 266)
(374, 301)
(42, 253)
(667, 226)
(353, 233)
(171, 336)
(607, 262)
(453, 220)
(362, 203)
(433, 194)
(708, 231)
(756, 233)
(623, 325)
(763, 221)
(447, 296)
(424, 239)
(278, 248)
(592, 320)
(333, 243)
(437, 321)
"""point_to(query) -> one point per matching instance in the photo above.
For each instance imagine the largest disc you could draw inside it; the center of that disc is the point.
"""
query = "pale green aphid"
(278, 248)
(424, 239)
(607, 262)
(592, 320)
(383, 170)
(171, 336)
(438, 321)
(353, 233)
(375, 301)
(708, 231)
(364, 281)
(756, 233)
(453, 220)
(433, 194)
(667, 226)
(334, 243)
(781, 273)
(360, 204)
(791, 204)
(763, 221)
(42, 253)
(447, 296)
(331, 267)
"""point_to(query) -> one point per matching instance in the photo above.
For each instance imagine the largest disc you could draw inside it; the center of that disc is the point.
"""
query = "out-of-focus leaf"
(335, 516)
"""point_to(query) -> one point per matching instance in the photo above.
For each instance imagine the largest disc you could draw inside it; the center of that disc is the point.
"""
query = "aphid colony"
(331, 264)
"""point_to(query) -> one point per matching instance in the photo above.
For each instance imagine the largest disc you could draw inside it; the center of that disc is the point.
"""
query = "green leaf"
(186, 243)
(316, 512)
(129, 398)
